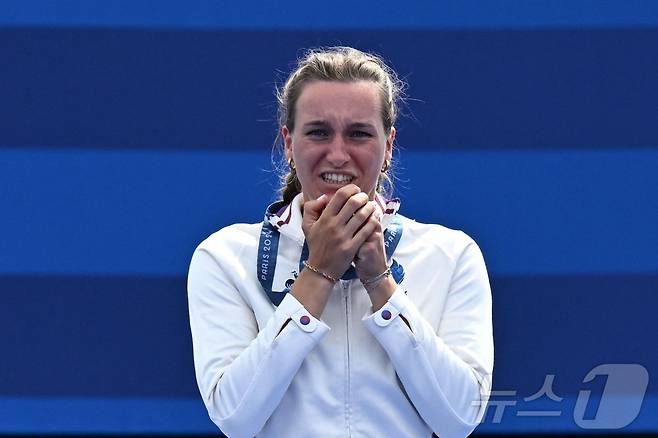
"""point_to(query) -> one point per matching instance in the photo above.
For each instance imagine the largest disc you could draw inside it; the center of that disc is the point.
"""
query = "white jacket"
(352, 373)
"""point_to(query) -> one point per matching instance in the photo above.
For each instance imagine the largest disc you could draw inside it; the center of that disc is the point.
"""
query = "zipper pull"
(343, 287)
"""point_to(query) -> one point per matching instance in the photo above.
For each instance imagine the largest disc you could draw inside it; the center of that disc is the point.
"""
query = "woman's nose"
(338, 154)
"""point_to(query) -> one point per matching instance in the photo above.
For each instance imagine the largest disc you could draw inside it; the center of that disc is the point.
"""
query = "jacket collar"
(287, 219)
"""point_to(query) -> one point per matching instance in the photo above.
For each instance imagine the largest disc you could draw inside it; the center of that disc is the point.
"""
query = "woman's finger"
(341, 196)
(351, 207)
(313, 209)
(359, 219)
(372, 225)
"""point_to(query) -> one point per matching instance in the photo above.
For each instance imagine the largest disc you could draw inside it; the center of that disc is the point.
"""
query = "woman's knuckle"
(353, 203)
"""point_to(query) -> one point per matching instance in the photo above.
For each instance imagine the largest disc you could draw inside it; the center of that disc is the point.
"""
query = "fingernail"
(321, 197)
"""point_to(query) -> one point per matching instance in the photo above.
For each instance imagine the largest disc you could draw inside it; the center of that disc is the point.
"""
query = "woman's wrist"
(373, 282)
(382, 292)
(320, 272)
(312, 291)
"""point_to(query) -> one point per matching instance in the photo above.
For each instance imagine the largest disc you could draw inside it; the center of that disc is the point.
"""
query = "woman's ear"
(389, 145)
(287, 142)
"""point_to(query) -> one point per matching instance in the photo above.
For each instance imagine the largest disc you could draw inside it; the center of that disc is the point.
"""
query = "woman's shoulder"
(450, 241)
(232, 237)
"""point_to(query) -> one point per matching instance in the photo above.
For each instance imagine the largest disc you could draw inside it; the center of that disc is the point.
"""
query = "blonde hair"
(343, 64)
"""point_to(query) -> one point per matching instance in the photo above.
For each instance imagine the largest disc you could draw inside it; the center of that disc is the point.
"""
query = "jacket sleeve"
(242, 372)
(446, 373)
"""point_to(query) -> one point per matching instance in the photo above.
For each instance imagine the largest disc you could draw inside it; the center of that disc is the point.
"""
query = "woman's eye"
(317, 133)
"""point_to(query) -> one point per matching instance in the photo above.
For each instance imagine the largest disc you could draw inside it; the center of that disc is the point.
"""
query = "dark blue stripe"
(129, 336)
(567, 325)
(145, 88)
(95, 337)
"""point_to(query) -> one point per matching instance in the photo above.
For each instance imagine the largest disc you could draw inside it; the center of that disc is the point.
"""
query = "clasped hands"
(342, 229)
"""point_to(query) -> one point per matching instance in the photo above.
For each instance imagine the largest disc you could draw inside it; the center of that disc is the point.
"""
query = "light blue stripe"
(188, 416)
(543, 212)
(142, 212)
(342, 14)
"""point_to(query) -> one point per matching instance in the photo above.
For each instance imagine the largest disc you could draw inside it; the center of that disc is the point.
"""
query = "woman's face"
(338, 138)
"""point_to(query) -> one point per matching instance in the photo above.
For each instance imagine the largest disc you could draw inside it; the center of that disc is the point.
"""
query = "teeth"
(337, 178)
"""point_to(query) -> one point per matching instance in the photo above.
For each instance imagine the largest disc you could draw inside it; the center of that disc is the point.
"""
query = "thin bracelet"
(317, 271)
(377, 278)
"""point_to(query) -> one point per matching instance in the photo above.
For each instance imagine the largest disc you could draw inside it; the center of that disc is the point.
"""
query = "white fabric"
(352, 373)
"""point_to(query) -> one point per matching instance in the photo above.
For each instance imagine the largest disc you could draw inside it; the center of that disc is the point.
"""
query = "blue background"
(131, 130)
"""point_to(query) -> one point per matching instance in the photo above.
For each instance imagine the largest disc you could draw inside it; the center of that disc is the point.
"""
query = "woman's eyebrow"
(355, 125)
(361, 125)
(316, 123)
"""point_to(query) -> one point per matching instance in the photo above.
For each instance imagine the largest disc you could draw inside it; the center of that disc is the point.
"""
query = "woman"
(337, 316)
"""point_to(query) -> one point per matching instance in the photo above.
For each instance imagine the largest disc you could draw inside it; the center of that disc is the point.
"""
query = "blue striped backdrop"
(128, 134)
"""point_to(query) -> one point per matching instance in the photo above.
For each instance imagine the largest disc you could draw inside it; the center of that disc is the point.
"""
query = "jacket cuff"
(388, 313)
(291, 310)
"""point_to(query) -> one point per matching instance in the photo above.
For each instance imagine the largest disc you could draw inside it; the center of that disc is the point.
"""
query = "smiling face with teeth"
(338, 137)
